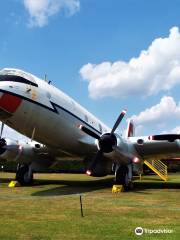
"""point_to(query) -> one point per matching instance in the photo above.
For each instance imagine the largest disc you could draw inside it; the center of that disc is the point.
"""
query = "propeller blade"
(96, 158)
(118, 121)
(2, 142)
(165, 137)
(2, 127)
(89, 132)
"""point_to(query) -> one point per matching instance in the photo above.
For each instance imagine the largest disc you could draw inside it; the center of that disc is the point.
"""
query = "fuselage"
(37, 109)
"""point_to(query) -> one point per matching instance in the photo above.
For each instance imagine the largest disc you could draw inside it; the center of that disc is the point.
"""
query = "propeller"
(89, 132)
(96, 158)
(165, 137)
(118, 120)
(106, 142)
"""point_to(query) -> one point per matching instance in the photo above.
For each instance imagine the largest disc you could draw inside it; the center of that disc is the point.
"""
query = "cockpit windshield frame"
(14, 78)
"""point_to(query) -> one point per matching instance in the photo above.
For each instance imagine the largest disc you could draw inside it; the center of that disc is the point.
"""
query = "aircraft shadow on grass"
(155, 183)
(5, 180)
(69, 187)
(66, 187)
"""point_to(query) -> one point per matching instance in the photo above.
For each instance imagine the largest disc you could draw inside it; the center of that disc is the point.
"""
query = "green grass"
(51, 210)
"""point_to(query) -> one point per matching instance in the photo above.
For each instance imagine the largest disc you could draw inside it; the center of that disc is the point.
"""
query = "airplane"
(63, 129)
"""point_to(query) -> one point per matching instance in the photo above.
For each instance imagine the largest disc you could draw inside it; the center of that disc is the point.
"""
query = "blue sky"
(60, 37)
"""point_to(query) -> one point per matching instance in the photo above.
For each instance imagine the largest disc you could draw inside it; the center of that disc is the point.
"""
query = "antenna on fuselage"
(33, 133)
(46, 79)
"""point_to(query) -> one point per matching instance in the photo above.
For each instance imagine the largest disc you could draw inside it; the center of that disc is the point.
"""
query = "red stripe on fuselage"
(9, 102)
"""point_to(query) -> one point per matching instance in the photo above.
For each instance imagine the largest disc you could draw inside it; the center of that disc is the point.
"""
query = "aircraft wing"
(148, 148)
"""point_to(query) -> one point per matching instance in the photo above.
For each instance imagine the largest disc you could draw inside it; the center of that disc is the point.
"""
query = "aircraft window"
(48, 95)
(86, 118)
(100, 127)
(13, 78)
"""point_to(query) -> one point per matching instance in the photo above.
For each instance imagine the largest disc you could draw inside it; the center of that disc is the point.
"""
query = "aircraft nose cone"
(9, 103)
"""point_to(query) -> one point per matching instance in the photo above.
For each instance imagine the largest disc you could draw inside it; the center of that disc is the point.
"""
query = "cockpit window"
(13, 78)
(100, 128)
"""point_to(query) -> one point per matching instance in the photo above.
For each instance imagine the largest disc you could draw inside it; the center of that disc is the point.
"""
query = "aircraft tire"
(24, 174)
(121, 176)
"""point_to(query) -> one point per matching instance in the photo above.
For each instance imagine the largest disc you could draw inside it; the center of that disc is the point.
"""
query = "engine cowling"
(24, 152)
(9, 149)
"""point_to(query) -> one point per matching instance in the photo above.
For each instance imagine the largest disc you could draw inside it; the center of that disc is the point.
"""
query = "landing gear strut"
(123, 176)
(24, 174)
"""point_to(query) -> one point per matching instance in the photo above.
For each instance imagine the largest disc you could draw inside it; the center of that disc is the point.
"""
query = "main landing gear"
(123, 176)
(24, 174)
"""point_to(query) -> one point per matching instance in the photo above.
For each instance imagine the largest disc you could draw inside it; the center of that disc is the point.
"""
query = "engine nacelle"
(24, 152)
(9, 149)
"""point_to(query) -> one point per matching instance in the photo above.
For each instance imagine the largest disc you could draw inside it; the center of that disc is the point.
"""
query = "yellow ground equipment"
(14, 184)
(158, 167)
(117, 188)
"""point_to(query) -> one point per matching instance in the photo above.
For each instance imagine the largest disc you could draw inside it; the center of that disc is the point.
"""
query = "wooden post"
(81, 205)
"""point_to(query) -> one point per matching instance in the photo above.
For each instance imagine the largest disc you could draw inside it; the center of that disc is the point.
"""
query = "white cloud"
(158, 117)
(166, 109)
(155, 69)
(41, 10)
(175, 130)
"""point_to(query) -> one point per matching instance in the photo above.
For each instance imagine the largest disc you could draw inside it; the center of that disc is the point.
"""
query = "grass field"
(51, 210)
